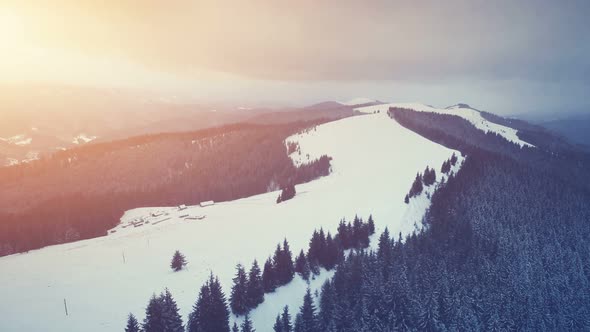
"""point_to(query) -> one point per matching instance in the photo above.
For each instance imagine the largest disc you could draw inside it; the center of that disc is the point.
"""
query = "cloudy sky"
(503, 56)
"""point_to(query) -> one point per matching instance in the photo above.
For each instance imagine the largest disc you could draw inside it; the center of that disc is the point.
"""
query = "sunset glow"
(302, 51)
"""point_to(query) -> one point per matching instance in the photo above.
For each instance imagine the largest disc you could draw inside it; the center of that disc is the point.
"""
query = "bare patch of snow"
(83, 138)
(20, 140)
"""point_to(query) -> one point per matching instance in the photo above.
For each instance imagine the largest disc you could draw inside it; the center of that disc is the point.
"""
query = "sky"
(503, 56)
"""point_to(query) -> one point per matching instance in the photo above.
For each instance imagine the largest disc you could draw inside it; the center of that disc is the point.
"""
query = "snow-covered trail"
(374, 163)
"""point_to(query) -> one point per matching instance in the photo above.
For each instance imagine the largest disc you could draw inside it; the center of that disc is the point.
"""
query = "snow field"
(374, 163)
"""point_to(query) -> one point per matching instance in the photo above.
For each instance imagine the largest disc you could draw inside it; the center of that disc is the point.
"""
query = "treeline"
(211, 310)
(506, 248)
(82, 193)
(550, 155)
(428, 178)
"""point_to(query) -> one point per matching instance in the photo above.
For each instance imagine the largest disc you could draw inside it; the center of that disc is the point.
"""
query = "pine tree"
(178, 261)
(170, 315)
(327, 303)
(301, 266)
(407, 199)
(219, 311)
(255, 288)
(289, 269)
(199, 310)
(446, 167)
(269, 281)
(247, 325)
(278, 327)
(371, 225)
(132, 324)
(235, 328)
(286, 320)
(283, 263)
(154, 321)
(343, 235)
(210, 312)
(332, 253)
(384, 246)
(238, 300)
(429, 176)
(287, 193)
(416, 186)
(357, 225)
(306, 319)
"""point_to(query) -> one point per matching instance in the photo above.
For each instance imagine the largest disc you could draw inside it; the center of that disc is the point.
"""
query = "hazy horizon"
(504, 57)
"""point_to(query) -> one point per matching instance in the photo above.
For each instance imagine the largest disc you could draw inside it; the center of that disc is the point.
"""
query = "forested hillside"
(505, 249)
(80, 193)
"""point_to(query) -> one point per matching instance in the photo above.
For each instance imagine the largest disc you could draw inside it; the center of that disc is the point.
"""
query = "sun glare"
(9, 19)
(11, 28)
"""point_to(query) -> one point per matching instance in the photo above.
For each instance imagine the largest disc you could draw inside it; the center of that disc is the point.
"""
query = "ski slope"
(469, 114)
(374, 163)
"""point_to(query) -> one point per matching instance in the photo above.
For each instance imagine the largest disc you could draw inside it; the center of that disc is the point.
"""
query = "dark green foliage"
(429, 176)
(286, 320)
(235, 328)
(446, 167)
(170, 314)
(210, 312)
(255, 288)
(278, 327)
(301, 266)
(511, 254)
(505, 247)
(154, 320)
(132, 324)
(306, 320)
(247, 325)
(417, 186)
(238, 300)
(269, 279)
(283, 264)
(371, 225)
(178, 261)
(287, 193)
(87, 196)
(283, 321)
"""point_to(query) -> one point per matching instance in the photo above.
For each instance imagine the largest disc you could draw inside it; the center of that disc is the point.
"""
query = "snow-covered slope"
(462, 110)
(359, 101)
(374, 163)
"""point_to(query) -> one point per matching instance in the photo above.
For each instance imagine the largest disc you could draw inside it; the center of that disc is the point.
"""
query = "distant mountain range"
(48, 119)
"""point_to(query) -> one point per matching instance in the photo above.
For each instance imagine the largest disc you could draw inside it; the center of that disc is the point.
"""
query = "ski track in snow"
(375, 161)
(471, 115)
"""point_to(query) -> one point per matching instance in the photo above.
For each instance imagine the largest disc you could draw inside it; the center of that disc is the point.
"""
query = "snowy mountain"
(375, 158)
(133, 261)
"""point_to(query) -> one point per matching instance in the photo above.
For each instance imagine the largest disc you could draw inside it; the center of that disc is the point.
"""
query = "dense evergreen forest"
(211, 310)
(506, 248)
(81, 193)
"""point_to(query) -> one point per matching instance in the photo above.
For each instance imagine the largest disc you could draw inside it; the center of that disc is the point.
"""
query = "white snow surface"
(19, 140)
(358, 101)
(83, 138)
(374, 163)
(469, 114)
